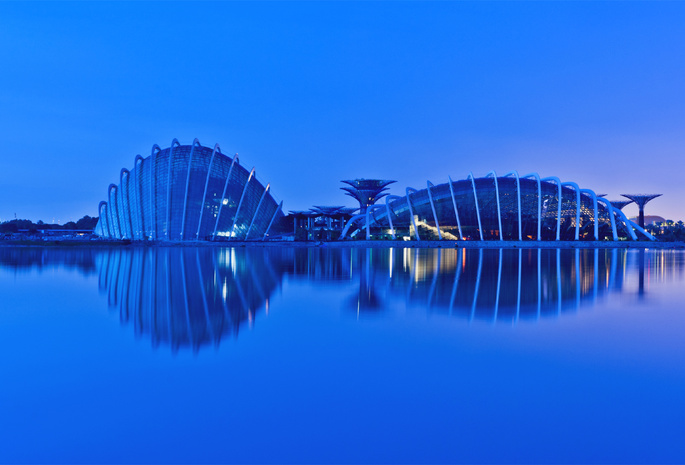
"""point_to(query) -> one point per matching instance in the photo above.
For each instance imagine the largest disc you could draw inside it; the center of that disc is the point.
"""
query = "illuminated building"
(188, 193)
(503, 208)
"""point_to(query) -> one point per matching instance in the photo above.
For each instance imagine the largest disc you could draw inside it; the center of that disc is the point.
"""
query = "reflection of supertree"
(188, 296)
(367, 299)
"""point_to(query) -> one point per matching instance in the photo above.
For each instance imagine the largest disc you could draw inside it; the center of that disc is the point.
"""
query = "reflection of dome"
(512, 284)
(188, 296)
(188, 192)
(500, 208)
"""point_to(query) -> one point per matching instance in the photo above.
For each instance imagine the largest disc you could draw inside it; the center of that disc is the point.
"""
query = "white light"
(225, 202)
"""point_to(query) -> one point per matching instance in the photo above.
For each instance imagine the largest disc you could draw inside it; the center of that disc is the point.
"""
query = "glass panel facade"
(539, 206)
(172, 195)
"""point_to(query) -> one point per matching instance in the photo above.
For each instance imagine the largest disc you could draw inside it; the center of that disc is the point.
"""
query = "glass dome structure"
(509, 207)
(188, 193)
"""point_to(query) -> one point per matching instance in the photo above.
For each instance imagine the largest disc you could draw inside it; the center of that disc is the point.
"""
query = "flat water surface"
(180, 355)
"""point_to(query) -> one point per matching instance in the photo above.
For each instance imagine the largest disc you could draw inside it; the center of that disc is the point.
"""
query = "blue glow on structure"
(507, 208)
(187, 193)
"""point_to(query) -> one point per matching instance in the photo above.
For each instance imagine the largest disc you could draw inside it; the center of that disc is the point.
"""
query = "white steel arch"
(223, 196)
(204, 196)
(261, 199)
(537, 178)
(138, 189)
(456, 212)
(349, 224)
(410, 190)
(196, 143)
(369, 209)
(389, 212)
(518, 197)
(499, 212)
(168, 189)
(240, 203)
(628, 224)
(112, 213)
(559, 199)
(475, 198)
(595, 210)
(435, 215)
(642, 231)
(280, 206)
(610, 210)
(125, 195)
(103, 218)
(577, 189)
(154, 157)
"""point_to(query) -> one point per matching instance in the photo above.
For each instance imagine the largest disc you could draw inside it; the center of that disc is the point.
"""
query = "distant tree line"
(667, 231)
(13, 226)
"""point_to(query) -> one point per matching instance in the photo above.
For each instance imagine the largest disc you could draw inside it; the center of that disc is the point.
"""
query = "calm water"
(320, 355)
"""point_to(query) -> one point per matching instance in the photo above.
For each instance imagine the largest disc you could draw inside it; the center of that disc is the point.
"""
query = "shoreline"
(364, 244)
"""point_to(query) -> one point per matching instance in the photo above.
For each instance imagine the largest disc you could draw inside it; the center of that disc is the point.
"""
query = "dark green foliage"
(14, 226)
(668, 231)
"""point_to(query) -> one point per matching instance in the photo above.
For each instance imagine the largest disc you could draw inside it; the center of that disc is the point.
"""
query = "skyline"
(311, 94)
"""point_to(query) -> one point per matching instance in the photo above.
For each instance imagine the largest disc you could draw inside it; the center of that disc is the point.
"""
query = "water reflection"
(188, 296)
(26, 259)
(194, 297)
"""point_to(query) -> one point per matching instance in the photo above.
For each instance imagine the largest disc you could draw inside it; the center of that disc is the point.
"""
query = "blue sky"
(311, 93)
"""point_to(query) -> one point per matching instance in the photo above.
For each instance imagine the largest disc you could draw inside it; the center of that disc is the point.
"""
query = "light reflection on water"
(190, 297)
(570, 355)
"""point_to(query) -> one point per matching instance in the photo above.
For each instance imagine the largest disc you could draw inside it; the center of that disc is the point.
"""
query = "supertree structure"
(620, 204)
(366, 191)
(641, 200)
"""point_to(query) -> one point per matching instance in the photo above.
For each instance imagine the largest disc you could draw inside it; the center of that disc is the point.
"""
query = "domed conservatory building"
(496, 208)
(188, 193)
(196, 193)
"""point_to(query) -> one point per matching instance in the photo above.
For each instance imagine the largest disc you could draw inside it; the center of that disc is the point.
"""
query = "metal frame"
(537, 178)
(518, 195)
(435, 215)
(126, 198)
(240, 204)
(223, 196)
(204, 196)
(196, 143)
(154, 156)
(411, 190)
(104, 217)
(168, 188)
(112, 206)
(577, 189)
(595, 210)
(138, 189)
(499, 211)
(610, 209)
(559, 201)
(456, 212)
(475, 199)
(261, 199)
(280, 206)
(388, 209)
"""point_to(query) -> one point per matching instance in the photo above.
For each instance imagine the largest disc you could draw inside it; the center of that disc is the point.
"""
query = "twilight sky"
(312, 93)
